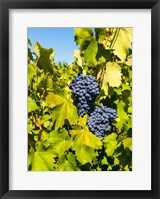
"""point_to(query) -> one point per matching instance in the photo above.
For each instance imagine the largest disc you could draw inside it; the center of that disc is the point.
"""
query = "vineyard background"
(58, 138)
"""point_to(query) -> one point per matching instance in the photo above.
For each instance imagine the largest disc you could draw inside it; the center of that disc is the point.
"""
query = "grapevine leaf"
(60, 142)
(82, 35)
(31, 73)
(45, 57)
(112, 76)
(104, 161)
(42, 161)
(66, 110)
(54, 100)
(29, 42)
(32, 106)
(101, 34)
(125, 159)
(90, 53)
(76, 53)
(105, 53)
(110, 144)
(67, 164)
(85, 154)
(123, 43)
(122, 115)
(85, 137)
(30, 156)
(127, 143)
(82, 121)
(30, 56)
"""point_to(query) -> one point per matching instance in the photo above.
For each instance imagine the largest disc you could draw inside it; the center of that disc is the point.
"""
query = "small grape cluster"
(85, 89)
(99, 120)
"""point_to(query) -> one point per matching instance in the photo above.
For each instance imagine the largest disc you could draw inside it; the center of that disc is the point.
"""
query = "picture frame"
(5, 5)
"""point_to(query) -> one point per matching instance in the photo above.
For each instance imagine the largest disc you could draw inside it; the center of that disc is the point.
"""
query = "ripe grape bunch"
(99, 120)
(85, 89)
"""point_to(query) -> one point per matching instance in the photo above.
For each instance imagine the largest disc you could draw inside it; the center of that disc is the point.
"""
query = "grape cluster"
(85, 89)
(99, 120)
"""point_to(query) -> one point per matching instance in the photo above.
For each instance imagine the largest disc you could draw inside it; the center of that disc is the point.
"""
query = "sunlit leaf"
(32, 106)
(85, 137)
(76, 54)
(91, 52)
(110, 144)
(85, 154)
(123, 43)
(42, 161)
(127, 143)
(112, 76)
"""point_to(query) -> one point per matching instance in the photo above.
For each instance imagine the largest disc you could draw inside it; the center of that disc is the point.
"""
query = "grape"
(99, 121)
(85, 89)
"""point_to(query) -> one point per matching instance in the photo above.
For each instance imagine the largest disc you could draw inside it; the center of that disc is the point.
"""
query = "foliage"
(59, 139)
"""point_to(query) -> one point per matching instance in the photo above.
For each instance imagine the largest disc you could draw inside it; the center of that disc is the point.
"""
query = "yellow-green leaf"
(54, 100)
(60, 142)
(110, 144)
(32, 106)
(123, 43)
(42, 161)
(85, 137)
(90, 53)
(85, 154)
(82, 35)
(76, 54)
(67, 163)
(112, 76)
(122, 115)
(31, 73)
(64, 111)
(127, 143)
(82, 121)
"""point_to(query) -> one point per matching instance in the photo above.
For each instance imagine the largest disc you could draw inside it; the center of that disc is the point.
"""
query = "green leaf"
(45, 57)
(123, 43)
(127, 143)
(29, 42)
(82, 121)
(60, 142)
(67, 163)
(54, 100)
(104, 161)
(31, 73)
(77, 54)
(110, 144)
(82, 35)
(85, 154)
(32, 106)
(122, 115)
(64, 111)
(90, 53)
(85, 137)
(104, 53)
(112, 76)
(101, 34)
(30, 156)
(42, 161)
